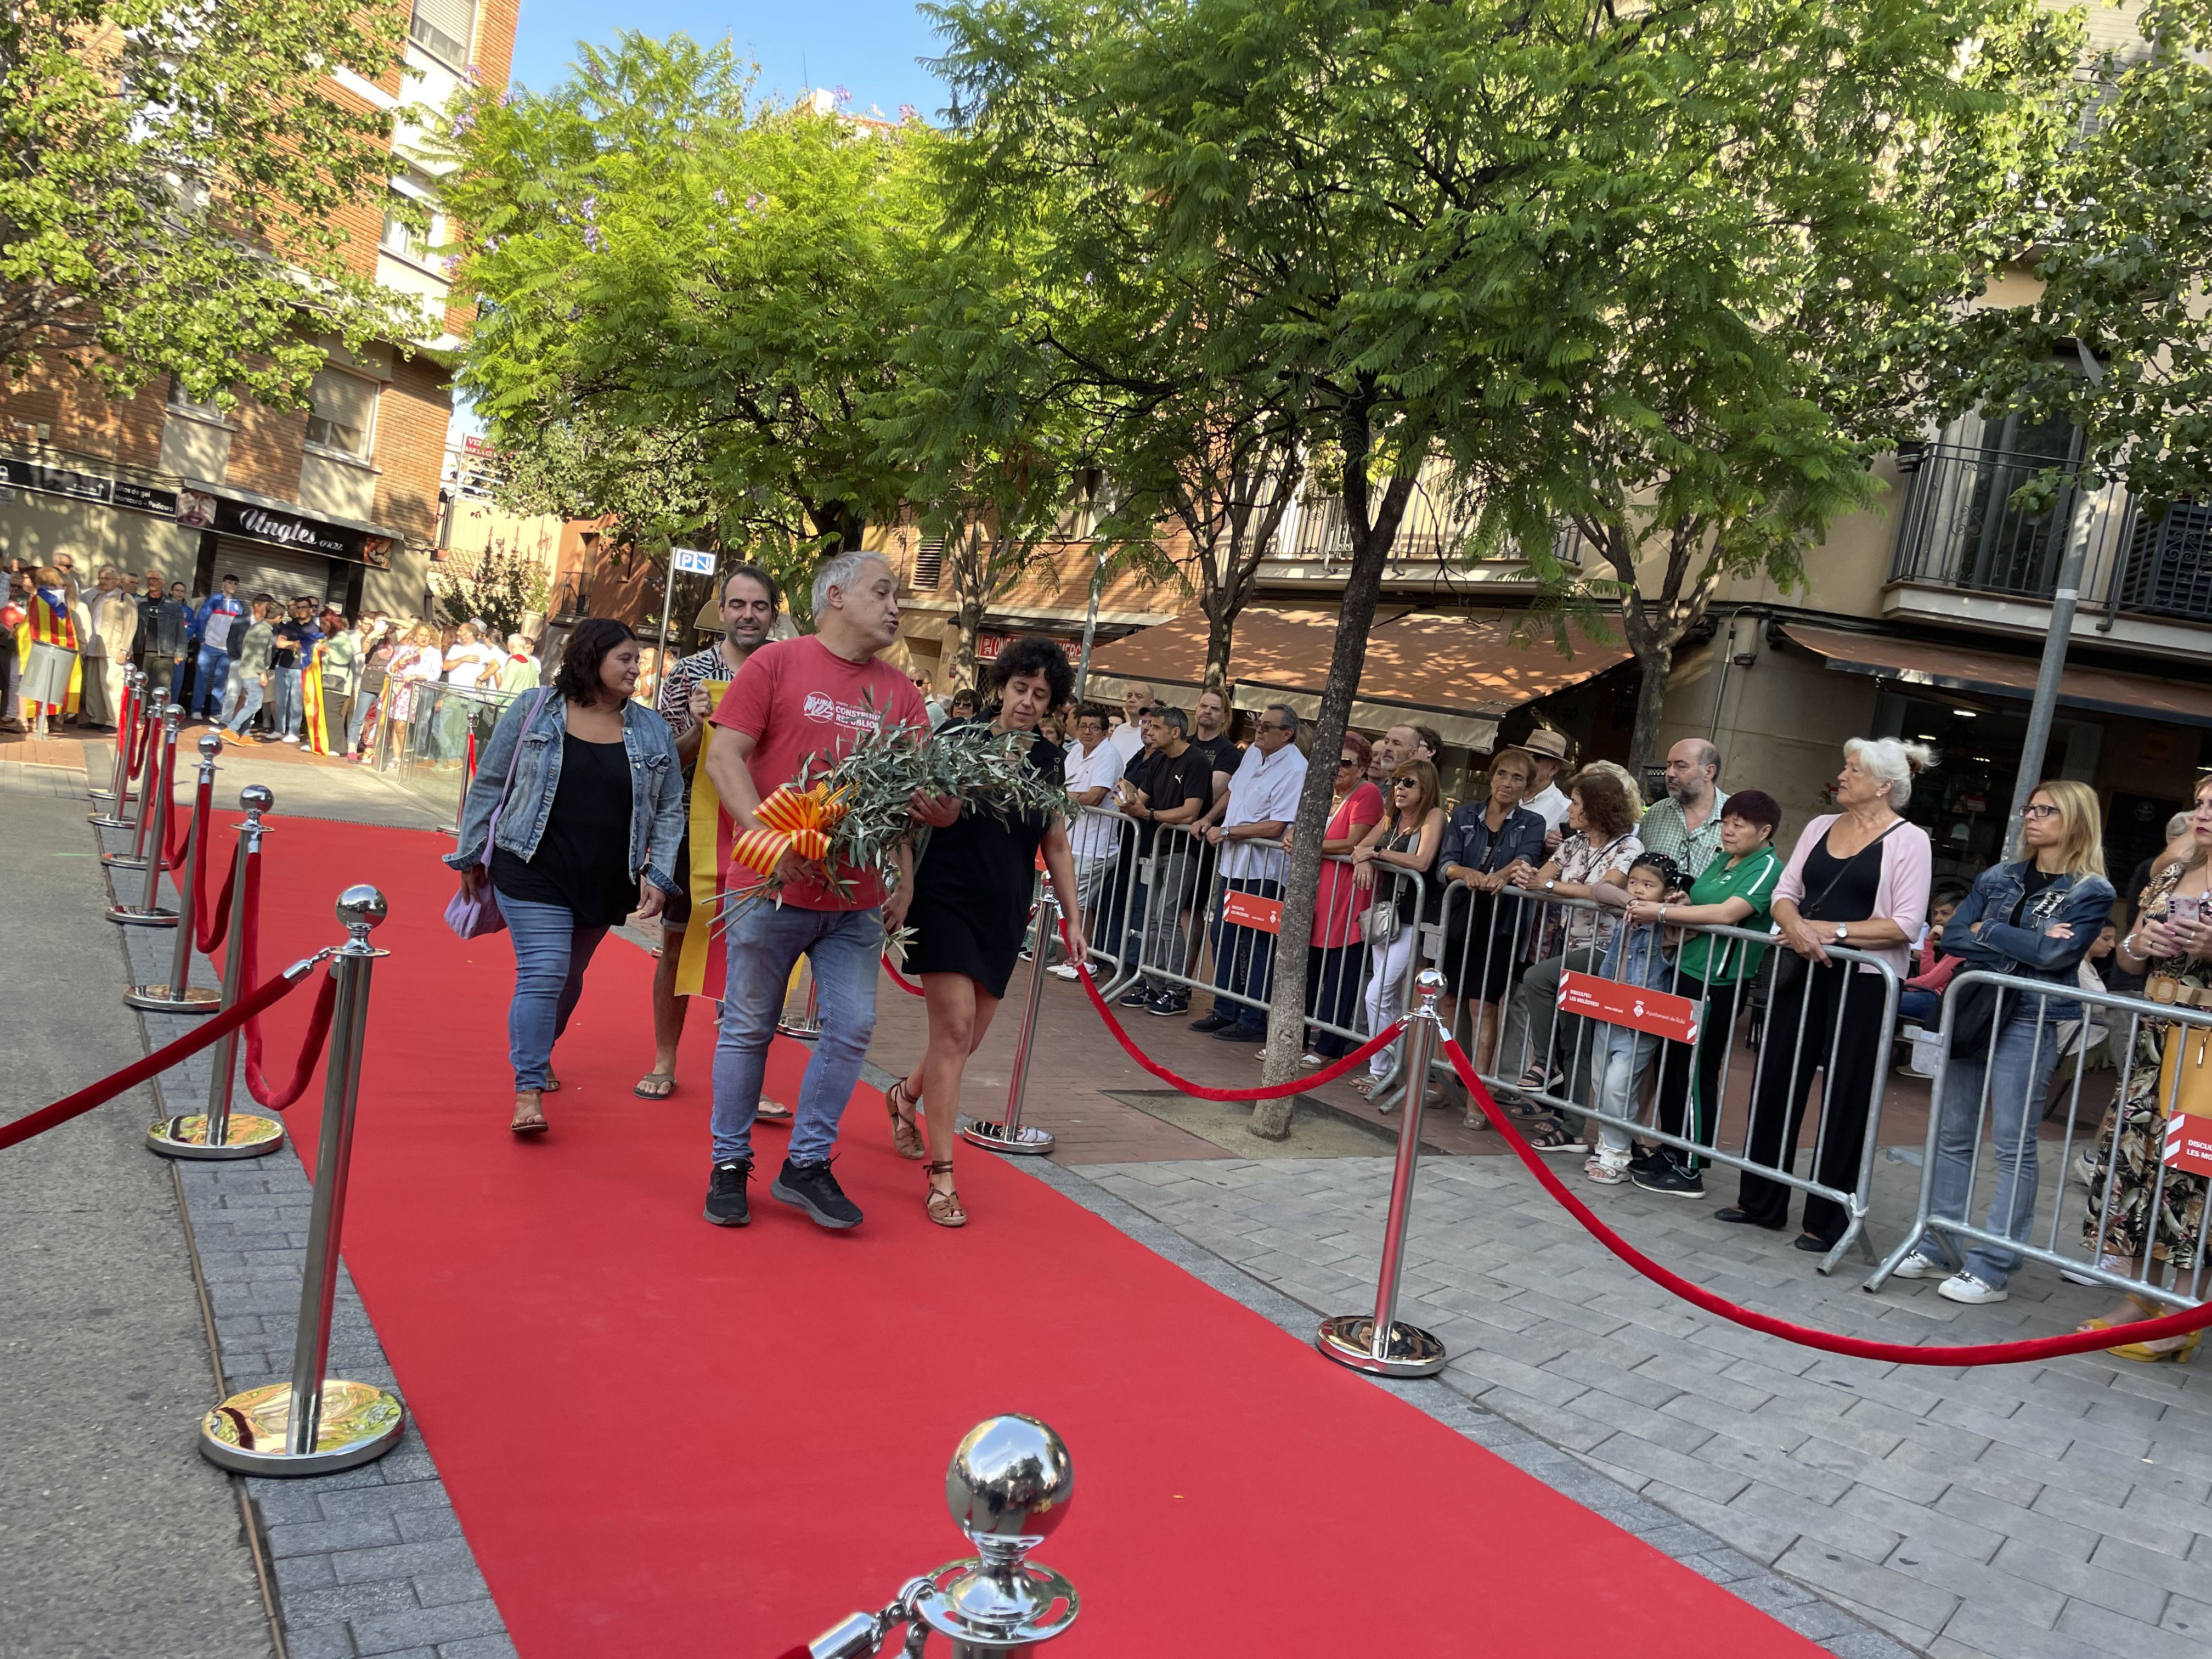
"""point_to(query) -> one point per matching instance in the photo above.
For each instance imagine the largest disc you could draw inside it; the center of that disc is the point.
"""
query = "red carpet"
(666, 1438)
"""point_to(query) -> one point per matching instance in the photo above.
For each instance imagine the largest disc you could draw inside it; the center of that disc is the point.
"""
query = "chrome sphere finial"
(1010, 1481)
(174, 714)
(361, 908)
(256, 798)
(210, 745)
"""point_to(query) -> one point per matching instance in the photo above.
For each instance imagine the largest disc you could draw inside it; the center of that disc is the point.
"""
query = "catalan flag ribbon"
(311, 703)
(798, 821)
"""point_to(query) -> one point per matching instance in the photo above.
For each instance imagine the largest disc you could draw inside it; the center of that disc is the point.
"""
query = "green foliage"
(2123, 252)
(170, 177)
(503, 585)
(673, 271)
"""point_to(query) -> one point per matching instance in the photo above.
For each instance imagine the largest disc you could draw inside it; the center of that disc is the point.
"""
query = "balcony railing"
(2167, 571)
(1960, 528)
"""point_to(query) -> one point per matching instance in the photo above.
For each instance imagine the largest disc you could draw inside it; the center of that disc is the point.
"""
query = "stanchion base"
(1349, 1340)
(1026, 1141)
(156, 1000)
(246, 1135)
(803, 1033)
(360, 1422)
(131, 916)
(122, 861)
(109, 821)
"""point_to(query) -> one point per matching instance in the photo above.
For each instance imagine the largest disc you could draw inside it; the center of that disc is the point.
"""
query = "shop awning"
(1993, 673)
(1460, 673)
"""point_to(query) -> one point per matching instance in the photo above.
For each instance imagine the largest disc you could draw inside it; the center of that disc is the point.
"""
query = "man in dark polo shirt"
(1166, 792)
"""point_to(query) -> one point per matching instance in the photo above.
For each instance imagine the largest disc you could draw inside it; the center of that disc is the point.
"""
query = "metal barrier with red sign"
(1657, 1014)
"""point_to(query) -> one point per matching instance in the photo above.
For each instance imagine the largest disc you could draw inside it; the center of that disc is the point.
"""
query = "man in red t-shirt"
(795, 701)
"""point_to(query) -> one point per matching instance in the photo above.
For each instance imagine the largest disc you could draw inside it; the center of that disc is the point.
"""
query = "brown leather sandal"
(906, 1133)
(944, 1207)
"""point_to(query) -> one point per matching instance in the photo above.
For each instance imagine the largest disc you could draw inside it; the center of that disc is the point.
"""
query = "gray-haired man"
(1263, 801)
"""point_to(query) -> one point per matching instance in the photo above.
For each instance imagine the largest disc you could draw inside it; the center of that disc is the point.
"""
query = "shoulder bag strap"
(1842, 869)
(491, 825)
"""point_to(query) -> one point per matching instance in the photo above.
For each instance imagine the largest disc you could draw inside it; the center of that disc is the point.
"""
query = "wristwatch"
(1843, 933)
(1550, 884)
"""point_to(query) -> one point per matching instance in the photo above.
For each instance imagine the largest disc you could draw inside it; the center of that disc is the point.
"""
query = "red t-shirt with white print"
(799, 700)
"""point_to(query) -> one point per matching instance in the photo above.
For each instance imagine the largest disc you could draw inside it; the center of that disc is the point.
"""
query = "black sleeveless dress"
(973, 886)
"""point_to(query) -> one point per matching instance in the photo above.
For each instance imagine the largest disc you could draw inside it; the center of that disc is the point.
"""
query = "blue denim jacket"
(2082, 903)
(656, 787)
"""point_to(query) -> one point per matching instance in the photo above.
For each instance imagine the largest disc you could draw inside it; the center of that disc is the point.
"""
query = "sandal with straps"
(906, 1133)
(944, 1207)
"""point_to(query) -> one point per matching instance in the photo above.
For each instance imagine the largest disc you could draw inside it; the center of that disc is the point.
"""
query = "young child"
(1620, 1054)
(1922, 998)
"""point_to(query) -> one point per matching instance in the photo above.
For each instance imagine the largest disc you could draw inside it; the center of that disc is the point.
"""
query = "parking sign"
(692, 563)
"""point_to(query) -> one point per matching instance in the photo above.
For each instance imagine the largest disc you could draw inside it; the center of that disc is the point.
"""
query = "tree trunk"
(1371, 540)
(1220, 631)
(1653, 662)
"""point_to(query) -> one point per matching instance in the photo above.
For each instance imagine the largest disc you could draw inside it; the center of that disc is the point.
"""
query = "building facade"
(338, 501)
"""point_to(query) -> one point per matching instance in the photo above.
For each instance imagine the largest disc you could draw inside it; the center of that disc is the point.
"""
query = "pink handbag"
(473, 915)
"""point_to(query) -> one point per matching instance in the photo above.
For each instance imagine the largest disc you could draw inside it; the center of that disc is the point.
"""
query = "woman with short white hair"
(1858, 880)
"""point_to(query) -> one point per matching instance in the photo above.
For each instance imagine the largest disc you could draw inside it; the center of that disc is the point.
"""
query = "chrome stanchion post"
(179, 996)
(150, 912)
(126, 718)
(809, 1025)
(317, 1424)
(220, 1132)
(1012, 1134)
(148, 768)
(1377, 1343)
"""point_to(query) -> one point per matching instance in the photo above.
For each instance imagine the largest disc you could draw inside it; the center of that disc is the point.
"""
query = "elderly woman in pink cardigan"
(1858, 879)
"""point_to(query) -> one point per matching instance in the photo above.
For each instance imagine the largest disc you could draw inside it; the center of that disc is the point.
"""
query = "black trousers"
(1335, 977)
(1842, 1018)
(1690, 1073)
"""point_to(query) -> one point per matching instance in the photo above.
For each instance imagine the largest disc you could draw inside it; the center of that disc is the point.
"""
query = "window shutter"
(344, 412)
(443, 29)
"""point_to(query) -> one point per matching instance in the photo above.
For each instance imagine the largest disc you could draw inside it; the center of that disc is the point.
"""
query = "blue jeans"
(285, 717)
(208, 676)
(247, 700)
(2019, 1066)
(1243, 961)
(1920, 1007)
(550, 954)
(844, 948)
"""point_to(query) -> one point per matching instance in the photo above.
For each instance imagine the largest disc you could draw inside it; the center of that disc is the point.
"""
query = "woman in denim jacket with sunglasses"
(588, 835)
(2036, 918)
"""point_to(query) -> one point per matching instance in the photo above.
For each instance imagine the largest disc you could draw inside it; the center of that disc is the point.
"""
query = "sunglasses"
(1404, 783)
(1347, 760)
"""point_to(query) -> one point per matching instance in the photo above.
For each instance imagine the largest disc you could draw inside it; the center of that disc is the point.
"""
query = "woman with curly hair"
(971, 908)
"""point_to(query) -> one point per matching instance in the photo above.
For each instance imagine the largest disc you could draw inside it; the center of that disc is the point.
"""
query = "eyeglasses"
(1347, 759)
(2038, 810)
(1404, 783)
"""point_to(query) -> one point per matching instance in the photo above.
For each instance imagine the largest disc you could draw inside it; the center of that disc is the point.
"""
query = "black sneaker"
(1139, 998)
(1240, 1034)
(1166, 1007)
(1646, 1158)
(812, 1187)
(1210, 1022)
(1664, 1175)
(726, 1206)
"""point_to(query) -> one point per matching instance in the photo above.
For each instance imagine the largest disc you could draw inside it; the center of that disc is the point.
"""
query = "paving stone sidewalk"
(2040, 1511)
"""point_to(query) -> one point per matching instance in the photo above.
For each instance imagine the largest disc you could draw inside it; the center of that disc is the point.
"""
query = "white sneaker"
(1964, 1287)
(291, 737)
(1064, 970)
(1919, 1265)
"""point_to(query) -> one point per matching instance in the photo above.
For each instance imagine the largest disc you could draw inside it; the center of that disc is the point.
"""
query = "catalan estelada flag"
(49, 623)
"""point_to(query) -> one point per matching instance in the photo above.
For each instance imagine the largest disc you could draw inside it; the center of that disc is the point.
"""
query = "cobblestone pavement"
(2003, 1512)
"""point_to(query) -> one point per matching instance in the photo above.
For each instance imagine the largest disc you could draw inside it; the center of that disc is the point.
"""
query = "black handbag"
(1974, 1012)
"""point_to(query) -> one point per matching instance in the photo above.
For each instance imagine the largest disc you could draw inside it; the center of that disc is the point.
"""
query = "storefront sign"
(1659, 1012)
(86, 487)
(987, 646)
(199, 510)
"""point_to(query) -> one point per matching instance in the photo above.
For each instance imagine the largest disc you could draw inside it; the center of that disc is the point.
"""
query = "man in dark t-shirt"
(1166, 791)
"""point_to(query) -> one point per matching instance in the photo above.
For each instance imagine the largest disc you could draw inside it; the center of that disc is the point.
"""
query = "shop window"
(344, 413)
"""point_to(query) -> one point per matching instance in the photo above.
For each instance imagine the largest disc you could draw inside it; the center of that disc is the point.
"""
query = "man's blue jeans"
(550, 954)
(2018, 1063)
(247, 703)
(845, 949)
(285, 686)
(208, 676)
(1243, 960)
(355, 718)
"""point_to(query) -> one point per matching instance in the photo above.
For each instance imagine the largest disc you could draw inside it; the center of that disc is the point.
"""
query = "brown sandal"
(906, 1133)
(944, 1207)
(532, 1122)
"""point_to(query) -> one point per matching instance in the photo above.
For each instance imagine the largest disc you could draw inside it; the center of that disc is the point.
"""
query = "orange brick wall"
(265, 450)
(81, 418)
(410, 446)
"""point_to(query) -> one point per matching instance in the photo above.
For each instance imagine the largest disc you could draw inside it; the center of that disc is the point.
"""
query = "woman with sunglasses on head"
(1412, 833)
(1337, 955)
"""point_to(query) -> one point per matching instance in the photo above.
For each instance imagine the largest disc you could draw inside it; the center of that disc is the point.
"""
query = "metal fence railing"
(2131, 1175)
(423, 733)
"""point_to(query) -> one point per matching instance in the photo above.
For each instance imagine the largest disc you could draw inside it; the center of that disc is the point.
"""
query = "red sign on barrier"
(1252, 911)
(2188, 1143)
(1659, 1012)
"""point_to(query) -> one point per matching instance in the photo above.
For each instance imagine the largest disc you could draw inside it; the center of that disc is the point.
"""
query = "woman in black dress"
(971, 909)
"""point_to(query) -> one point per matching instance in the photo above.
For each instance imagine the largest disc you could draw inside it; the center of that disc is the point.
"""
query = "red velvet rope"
(135, 741)
(319, 1020)
(98, 1094)
(1327, 1073)
(901, 981)
(180, 837)
(212, 921)
(1899, 1353)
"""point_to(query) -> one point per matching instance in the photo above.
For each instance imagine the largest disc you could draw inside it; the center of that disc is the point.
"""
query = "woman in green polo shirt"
(1735, 891)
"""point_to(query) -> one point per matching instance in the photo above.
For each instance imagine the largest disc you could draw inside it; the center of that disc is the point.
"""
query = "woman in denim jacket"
(2036, 918)
(589, 834)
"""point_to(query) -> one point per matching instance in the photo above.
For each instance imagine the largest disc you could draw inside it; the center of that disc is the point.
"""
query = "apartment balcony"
(1967, 556)
(1428, 556)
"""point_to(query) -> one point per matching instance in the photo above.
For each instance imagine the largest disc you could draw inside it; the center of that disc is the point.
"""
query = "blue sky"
(866, 46)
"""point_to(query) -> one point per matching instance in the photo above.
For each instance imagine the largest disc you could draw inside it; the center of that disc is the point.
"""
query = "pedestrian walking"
(246, 680)
(218, 630)
(590, 808)
(972, 887)
(795, 702)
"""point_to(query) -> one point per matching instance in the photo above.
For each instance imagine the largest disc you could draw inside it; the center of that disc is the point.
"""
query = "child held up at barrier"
(1620, 1054)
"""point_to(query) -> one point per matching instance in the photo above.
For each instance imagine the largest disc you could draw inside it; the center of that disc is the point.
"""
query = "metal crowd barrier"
(1517, 947)
(426, 754)
(2056, 1208)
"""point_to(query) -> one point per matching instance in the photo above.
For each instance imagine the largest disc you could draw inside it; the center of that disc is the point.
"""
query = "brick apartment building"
(338, 501)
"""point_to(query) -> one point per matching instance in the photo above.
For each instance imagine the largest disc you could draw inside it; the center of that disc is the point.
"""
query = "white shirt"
(471, 664)
(1549, 804)
(1264, 790)
(1096, 832)
(1126, 740)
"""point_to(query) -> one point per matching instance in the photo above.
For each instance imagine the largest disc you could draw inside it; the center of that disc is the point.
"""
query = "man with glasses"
(1263, 802)
(1093, 768)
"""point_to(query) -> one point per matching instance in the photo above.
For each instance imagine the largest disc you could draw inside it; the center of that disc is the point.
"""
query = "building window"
(928, 564)
(344, 417)
(181, 399)
(443, 29)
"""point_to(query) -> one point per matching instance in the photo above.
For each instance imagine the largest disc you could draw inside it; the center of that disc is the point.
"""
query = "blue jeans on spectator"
(209, 674)
(1921, 1008)
(845, 949)
(1243, 960)
(240, 703)
(285, 688)
(2018, 1063)
(550, 954)
(362, 702)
